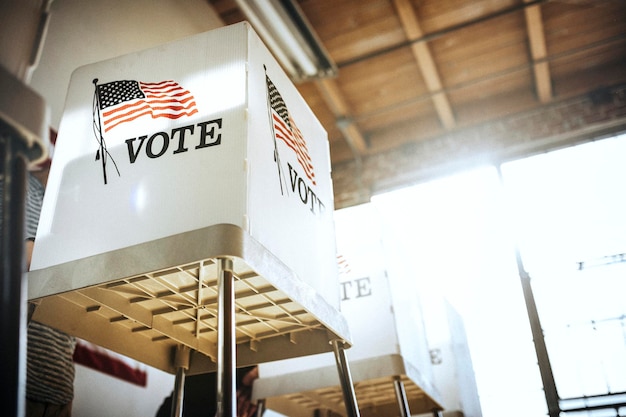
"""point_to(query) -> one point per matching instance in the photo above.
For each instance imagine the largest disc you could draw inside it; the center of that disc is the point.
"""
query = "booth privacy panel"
(202, 131)
(379, 300)
(144, 306)
(168, 161)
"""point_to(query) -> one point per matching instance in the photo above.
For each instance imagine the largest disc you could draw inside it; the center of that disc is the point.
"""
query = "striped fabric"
(49, 365)
(34, 199)
(49, 362)
(49, 359)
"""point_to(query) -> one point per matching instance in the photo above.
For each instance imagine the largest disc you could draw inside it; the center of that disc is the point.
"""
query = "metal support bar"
(349, 396)
(591, 408)
(403, 404)
(226, 360)
(260, 408)
(12, 279)
(541, 350)
(181, 361)
(545, 367)
(179, 393)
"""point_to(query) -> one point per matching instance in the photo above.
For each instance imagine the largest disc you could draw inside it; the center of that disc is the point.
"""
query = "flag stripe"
(283, 132)
(286, 130)
(128, 100)
(343, 265)
(111, 113)
(142, 108)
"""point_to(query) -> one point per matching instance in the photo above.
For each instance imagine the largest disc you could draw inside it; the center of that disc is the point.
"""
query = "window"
(566, 213)
(569, 209)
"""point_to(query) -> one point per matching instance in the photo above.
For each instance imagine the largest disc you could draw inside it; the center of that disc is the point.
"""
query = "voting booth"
(189, 209)
(390, 359)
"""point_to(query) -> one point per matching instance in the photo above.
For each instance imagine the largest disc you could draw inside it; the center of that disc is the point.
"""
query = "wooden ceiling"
(425, 87)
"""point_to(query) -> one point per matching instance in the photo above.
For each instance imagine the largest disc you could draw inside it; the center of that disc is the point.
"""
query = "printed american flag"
(286, 130)
(126, 100)
(343, 265)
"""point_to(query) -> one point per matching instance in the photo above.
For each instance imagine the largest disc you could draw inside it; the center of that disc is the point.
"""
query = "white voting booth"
(390, 359)
(188, 217)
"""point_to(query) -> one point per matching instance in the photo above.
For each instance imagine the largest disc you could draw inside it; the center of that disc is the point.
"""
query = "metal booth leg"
(260, 408)
(437, 413)
(226, 354)
(12, 279)
(181, 362)
(349, 396)
(403, 403)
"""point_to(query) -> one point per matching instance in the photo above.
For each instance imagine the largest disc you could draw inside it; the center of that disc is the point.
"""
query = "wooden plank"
(480, 39)
(593, 59)
(476, 51)
(543, 81)
(400, 134)
(332, 18)
(485, 109)
(538, 50)
(444, 110)
(382, 82)
(340, 151)
(437, 15)
(399, 113)
(377, 36)
(408, 18)
(569, 84)
(335, 99)
(353, 28)
(507, 83)
(480, 68)
(329, 89)
(570, 27)
(536, 36)
(425, 61)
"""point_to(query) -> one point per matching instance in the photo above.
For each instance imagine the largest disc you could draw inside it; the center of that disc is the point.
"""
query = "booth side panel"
(150, 144)
(406, 299)
(365, 295)
(290, 203)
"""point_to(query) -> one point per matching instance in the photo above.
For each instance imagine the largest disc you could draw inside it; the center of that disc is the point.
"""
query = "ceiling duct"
(287, 33)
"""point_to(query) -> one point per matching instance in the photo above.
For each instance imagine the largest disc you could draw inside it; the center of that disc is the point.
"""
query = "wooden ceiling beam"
(333, 96)
(538, 50)
(425, 61)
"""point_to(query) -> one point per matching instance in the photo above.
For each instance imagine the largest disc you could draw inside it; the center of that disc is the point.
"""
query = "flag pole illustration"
(285, 129)
(101, 153)
(269, 112)
(124, 101)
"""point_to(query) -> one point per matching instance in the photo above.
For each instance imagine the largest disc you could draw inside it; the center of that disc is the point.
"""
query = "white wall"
(99, 395)
(19, 20)
(83, 32)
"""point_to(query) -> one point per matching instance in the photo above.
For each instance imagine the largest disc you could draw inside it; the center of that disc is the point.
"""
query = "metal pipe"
(541, 350)
(226, 360)
(182, 358)
(265, 33)
(179, 393)
(403, 404)
(349, 396)
(260, 408)
(12, 278)
(437, 412)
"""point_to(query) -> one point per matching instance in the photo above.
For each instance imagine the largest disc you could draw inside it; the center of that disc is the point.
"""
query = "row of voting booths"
(188, 224)
(389, 359)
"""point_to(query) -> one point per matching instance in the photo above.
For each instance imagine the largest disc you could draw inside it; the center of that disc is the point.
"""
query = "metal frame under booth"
(384, 386)
(205, 300)
(24, 121)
